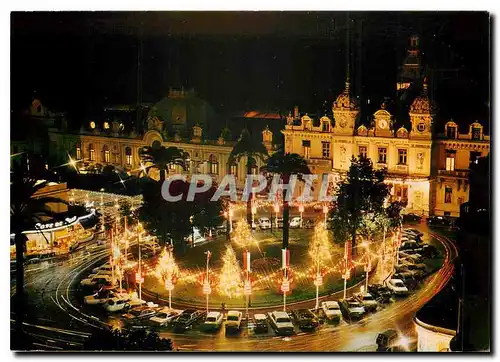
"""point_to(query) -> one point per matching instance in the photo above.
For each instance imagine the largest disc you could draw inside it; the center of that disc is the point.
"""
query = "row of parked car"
(295, 222)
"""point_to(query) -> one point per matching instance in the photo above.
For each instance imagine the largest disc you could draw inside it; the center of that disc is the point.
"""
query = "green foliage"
(286, 165)
(124, 340)
(160, 157)
(360, 202)
(171, 221)
(126, 211)
(393, 212)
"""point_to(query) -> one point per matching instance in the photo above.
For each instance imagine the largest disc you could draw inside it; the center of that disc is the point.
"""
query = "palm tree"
(160, 157)
(252, 150)
(25, 212)
(286, 165)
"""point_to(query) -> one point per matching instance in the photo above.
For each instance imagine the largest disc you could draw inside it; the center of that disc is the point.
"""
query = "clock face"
(343, 123)
(421, 127)
(383, 124)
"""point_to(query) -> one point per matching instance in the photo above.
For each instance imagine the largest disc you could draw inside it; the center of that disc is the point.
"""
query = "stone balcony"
(455, 173)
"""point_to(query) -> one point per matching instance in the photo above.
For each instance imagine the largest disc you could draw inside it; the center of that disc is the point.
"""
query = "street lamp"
(169, 286)
(138, 277)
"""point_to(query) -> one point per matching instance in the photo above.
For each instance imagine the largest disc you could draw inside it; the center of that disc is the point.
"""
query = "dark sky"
(254, 60)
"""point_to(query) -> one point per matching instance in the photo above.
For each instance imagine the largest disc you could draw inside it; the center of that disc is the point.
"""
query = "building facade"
(427, 171)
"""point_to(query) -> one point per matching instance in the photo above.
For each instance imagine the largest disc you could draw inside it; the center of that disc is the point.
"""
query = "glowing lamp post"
(368, 265)
(230, 215)
(318, 281)
(169, 286)
(247, 291)
(285, 285)
(301, 210)
(207, 289)
(325, 211)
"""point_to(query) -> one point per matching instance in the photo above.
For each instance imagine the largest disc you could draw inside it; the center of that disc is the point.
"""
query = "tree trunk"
(249, 201)
(19, 299)
(286, 213)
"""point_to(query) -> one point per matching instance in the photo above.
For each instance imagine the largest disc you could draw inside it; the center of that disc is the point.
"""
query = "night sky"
(79, 62)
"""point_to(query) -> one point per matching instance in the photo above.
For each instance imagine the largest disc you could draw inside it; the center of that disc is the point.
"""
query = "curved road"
(58, 320)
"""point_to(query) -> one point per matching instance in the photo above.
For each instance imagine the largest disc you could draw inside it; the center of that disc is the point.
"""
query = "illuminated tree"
(319, 246)
(242, 234)
(166, 269)
(230, 275)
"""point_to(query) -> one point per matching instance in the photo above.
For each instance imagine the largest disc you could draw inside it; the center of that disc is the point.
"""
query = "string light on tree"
(230, 275)
(319, 250)
(167, 271)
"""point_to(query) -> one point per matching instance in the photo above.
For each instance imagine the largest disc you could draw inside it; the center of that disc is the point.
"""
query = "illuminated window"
(213, 165)
(78, 153)
(450, 160)
(91, 152)
(187, 161)
(326, 149)
(106, 156)
(402, 156)
(382, 155)
(128, 156)
(306, 145)
(447, 194)
(233, 169)
(362, 151)
(106, 125)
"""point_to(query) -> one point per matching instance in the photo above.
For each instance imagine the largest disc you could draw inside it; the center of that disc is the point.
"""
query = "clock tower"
(345, 111)
(421, 115)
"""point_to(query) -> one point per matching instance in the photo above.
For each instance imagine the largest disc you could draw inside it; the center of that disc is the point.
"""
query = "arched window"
(156, 144)
(78, 151)
(105, 154)
(91, 152)
(233, 169)
(128, 156)
(213, 164)
(451, 130)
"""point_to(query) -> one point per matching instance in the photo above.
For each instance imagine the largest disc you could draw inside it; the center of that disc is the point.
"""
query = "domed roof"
(345, 100)
(422, 104)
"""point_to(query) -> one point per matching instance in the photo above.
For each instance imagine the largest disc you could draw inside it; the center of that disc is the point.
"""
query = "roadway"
(57, 319)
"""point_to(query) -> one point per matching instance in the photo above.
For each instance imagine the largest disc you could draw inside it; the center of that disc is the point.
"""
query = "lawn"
(266, 278)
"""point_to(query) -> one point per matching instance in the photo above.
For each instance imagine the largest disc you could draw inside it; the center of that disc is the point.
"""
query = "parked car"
(368, 301)
(96, 281)
(233, 320)
(137, 314)
(439, 221)
(264, 223)
(410, 245)
(100, 297)
(260, 323)
(351, 309)
(281, 323)
(429, 251)
(381, 293)
(116, 304)
(104, 269)
(213, 321)
(397, 286)
(414, 232)
(332, 312)
(388, 341)
(308, 224)
(280, 222)
(411, 217)
(305, 319)
(188, 318)
(164, 316)
(405, 274)
(295, 222)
